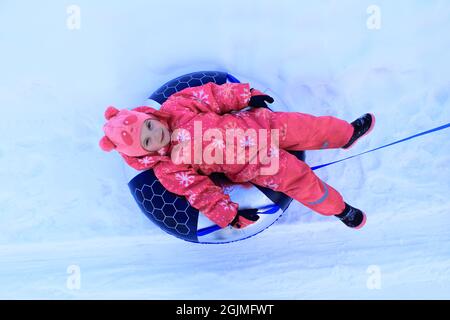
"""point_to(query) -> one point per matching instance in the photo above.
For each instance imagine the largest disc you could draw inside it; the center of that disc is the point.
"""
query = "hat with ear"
(123, 129)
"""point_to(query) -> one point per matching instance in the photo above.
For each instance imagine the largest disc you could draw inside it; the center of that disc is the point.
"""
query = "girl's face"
(154, 135)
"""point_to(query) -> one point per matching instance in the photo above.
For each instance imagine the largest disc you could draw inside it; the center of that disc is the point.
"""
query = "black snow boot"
(352, 217)
(362, 126)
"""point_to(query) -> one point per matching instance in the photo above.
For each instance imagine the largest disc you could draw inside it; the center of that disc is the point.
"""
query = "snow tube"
(174, 214)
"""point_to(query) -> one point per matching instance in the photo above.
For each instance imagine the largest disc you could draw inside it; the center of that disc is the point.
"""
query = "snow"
(64, 202)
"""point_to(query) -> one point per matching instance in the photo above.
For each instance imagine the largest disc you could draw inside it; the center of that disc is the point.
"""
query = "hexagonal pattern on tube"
(193, 79)
(167, 210)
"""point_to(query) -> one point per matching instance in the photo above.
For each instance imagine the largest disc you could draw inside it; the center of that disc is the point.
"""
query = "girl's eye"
(147, 141)
(149, 125)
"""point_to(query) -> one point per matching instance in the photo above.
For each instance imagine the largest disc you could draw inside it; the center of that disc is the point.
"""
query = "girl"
(148, 138)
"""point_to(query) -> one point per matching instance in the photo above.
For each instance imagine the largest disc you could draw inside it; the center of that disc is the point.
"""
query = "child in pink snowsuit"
(141, 136)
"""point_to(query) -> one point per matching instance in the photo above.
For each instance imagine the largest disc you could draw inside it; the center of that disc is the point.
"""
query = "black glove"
(244, 218)
(258, 99)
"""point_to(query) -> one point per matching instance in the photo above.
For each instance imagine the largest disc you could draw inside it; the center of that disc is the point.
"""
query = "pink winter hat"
(123, 131)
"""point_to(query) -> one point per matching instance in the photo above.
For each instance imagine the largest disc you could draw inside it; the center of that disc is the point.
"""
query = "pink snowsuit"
(211, 104)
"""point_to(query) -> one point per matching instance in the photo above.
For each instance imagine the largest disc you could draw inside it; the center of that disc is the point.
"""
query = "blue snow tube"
(174, 214)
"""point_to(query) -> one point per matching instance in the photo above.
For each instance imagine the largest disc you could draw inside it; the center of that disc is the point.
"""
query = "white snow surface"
(65, 202)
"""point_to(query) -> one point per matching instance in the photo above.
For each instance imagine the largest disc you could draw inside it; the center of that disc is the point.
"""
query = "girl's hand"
(259, 99)
(244, 218)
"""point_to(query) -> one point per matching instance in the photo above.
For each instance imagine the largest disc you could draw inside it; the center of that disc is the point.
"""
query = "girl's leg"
(300, 131)
(296, 179)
